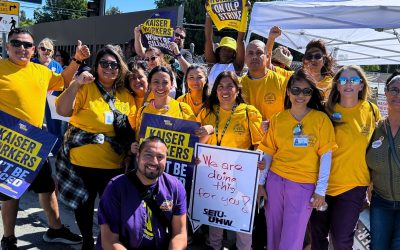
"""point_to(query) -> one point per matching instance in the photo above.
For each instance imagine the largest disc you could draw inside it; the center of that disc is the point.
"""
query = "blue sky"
(123, 5)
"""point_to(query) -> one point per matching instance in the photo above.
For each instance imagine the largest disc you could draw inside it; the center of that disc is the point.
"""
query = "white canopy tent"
(363, 32)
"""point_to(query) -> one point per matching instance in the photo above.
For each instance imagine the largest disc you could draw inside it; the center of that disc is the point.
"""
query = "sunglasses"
(297, 91)
(106, 64)
(316, 56)
(180, 36)
(352, 80)
(153, 58)
(18, 43)
(393, 91)
(43, 49)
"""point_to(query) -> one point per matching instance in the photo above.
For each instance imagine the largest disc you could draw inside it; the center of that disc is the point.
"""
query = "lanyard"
(226, 125)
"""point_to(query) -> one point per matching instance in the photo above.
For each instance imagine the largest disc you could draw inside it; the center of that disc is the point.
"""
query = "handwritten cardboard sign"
(224, 189)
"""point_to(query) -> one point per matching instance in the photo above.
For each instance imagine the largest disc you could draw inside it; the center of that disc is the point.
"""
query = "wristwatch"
(76, 60)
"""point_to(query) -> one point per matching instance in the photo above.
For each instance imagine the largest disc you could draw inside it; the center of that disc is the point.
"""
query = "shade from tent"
(363, 32)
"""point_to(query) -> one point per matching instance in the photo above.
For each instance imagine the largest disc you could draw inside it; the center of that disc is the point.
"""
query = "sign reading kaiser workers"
(224, 190)
(179, 136)
(228, 14)
(23, 150)
(158, 31)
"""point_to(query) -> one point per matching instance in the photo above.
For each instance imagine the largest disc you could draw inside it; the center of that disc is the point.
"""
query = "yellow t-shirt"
(353, 133)
(186, 99)
(266, 94)
(298, 164)
(23, 90)
(325, 85)
(243, 131)
(175, 109)
(140, 101)
(89, 115)
(283, 72)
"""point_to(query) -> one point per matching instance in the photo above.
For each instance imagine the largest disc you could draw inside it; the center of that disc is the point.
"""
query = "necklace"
(195, 102)
(301, 116)
(226, 124)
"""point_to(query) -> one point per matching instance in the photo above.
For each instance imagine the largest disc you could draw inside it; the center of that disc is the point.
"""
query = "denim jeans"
(385, 223)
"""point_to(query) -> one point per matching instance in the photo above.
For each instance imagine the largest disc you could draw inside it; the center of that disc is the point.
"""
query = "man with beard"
(261, 87)
(144, 208)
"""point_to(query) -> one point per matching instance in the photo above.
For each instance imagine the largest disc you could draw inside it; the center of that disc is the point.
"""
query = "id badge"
(108, 117)
(300, 141)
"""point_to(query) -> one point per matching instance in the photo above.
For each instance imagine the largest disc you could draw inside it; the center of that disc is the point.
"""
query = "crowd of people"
(325, 145)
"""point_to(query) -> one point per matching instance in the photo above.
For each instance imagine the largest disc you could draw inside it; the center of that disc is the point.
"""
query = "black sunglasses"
(106, 64)
(310, 56)
(18, 43)
(153, 58)
(297, 91)
(44, 49)
(180, 36)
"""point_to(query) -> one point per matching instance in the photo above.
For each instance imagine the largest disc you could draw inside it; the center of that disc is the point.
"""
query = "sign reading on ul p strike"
(23, 150)
(179, 136)
(9, 16)
(228, 14)
(224, 190)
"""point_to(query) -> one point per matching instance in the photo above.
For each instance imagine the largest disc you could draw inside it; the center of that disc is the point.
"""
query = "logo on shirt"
(312, 139)
(365, 130)
(22, 127)
(270, 98)
(167, 205)
(238, 129)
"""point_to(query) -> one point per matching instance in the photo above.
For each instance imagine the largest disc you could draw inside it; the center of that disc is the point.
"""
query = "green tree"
(57, 10)
(113, 10)
(23, 20)
(195, 14)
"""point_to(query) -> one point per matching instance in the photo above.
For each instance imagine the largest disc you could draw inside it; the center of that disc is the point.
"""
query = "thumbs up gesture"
(82, 51)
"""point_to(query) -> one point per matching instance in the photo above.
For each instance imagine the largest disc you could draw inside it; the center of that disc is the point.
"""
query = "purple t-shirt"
(123, 210)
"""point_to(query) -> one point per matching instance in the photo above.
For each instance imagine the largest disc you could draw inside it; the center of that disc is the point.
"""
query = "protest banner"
(224, 190)
(23, 150)
(382, 105)
(158, 31)
(228, 14)
(179, 136)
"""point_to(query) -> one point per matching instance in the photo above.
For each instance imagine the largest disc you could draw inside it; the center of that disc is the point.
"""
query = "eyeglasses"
(393, 91)
(297, 91)
(18, 43)
(106, 64)
(153, 58)
(352, 80)
(44, 49)
(310, 56)
(180, 36)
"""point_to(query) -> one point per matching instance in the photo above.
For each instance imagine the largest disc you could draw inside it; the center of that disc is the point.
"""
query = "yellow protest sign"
(228, 14)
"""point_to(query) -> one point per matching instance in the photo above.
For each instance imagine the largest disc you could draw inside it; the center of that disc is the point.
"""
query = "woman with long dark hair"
(298, 148)
(196, 83)
(96, 155)
(236, 125)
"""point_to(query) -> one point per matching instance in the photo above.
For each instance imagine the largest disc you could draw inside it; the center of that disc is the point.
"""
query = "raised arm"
(208, 45)
(182, 61)
(274, 32)
(140, 50)
(240, 52)
(82, 53)
(65, 102)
